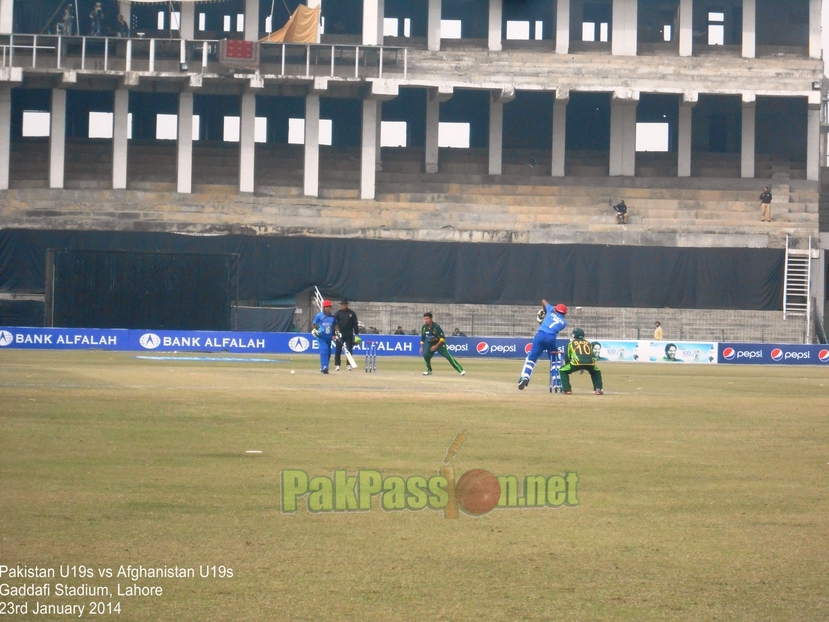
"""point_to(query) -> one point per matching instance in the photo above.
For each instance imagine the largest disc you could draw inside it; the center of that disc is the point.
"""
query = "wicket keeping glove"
(315, 332)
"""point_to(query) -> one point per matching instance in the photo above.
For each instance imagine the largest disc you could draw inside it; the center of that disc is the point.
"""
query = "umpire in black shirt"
(347, 325)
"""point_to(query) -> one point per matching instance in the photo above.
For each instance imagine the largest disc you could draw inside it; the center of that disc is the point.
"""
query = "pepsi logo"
(729, 353)
(483, 347)
(528, 347)
(776, 354)
(823, 356)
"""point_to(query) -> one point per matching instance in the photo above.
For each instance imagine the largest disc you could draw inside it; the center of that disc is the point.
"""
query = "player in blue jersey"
(325, 327)
(552, 322)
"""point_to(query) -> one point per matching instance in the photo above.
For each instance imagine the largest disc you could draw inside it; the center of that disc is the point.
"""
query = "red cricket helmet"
(326, 303)
(560, 308)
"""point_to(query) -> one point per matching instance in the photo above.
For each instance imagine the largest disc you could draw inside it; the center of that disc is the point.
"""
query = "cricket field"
(182, 487)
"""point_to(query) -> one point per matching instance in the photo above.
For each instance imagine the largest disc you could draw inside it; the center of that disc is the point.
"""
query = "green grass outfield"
(703, 490)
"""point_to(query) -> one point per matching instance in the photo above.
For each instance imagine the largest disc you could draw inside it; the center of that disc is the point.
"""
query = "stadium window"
(232, 129)
(322, 25)
(450, 29)
(269, 24)
(203, 22)
(539, 30)
(260, 130)
(391, 27)
(652, 136)
(604, 32)
(454, 135)
(588, 31)
(666, 32)
(407, 27)
(166, 127)
(175, 20)
(161, 20)
(518, 30)
(393, 134)
(296, 131)
(36, 123)
(240, 22)
(226, 23)
(100, 124)
(716, 28)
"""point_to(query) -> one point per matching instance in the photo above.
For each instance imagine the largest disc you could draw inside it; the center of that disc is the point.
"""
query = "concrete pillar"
(371, 36)
(686, 27)
(433, 33)
(187, 28)
(623, 39)
(5, 136)
(815, 41)
(368, 152)
(562, 26)
(623, 137)
(57, 139)
(6, 16)
(120, 131)
(813, 144)
(247, 143)
(251, 20)
(378, 161)
(496, 11)
(184, 157)
(496, 136)
(749, 29)
(313, 4)
(684, 142)
(560, 131)
(432, 126)
(747, 153)
(312, 146)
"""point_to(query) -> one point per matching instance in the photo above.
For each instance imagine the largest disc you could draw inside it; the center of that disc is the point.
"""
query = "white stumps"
(57, 139)
(120, 131)
(5, 136)
(184, 146)
(749, 29)
(686, 27)
(562, 26)
(247, 143)
(433, 28)
(496, 10)
(623, 40)
(684, 141)
(747, 150)
(311, 184)
(251, 20)
(623, 135)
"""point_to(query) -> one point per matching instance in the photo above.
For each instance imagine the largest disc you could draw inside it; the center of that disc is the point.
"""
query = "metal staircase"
(797, 283)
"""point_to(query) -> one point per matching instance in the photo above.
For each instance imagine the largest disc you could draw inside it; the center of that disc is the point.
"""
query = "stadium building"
(457, 155)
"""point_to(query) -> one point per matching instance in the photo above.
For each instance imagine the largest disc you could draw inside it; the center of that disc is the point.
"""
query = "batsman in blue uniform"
(325, 327)
(552, 324)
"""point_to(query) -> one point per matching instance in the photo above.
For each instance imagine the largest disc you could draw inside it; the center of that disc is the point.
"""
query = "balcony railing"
(47, 52)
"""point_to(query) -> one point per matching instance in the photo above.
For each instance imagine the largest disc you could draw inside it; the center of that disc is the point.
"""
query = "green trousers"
(444, 352)
(593, 370)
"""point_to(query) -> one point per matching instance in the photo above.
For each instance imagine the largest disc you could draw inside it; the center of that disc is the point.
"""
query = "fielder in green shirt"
(580, 357)
(432, 337)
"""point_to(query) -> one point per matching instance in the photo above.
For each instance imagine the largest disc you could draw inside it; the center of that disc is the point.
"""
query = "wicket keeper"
(432, 334)
(580, 357)
(325, 327)
(552, 323)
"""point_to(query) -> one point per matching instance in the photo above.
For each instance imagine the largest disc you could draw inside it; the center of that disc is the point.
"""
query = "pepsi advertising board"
(773, 354)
